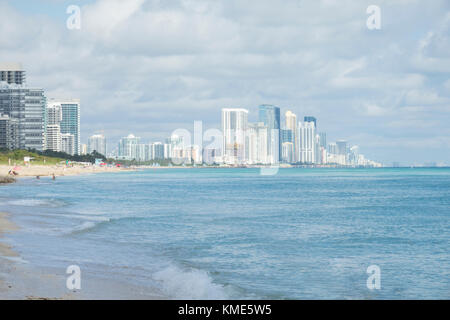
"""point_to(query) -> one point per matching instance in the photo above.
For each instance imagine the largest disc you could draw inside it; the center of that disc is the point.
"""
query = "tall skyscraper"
(323, 139)
(291, 124)
(128, 147)
(70, 119)
(257, 143)
(307, 142)
(53, 138)
(341, 147)
(234, 128)
(12, 73)
(157, 151)
(270, 116)
(311, 119)
(9, 136)
(68, 143)
(97, 142)
(27, 106)
(53, 129)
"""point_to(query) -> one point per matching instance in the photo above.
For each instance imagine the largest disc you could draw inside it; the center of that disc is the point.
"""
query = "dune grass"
(17, 156)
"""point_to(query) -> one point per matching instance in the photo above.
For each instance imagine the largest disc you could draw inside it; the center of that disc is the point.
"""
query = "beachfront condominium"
(70, 119)
(341, 147)
(257, 143)
(9, 128)
(307, 142)
(12, 73)
(97, 142)
(234, 128)
(68, 143)
(53, 138)
(53, 128)
(311, 119)
(270, 116)
(128, 148)
(27, 106)
(291, 125)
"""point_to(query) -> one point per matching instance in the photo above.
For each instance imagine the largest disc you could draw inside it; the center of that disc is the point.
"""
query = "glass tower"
(270, 116)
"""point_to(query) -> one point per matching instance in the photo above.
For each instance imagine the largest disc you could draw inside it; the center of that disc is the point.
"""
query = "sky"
(149, 67)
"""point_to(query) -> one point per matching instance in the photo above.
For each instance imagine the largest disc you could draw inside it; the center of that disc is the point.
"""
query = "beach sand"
(20, 280)
(60, 170)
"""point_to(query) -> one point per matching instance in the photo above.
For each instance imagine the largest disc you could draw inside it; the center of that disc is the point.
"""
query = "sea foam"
(189, 284)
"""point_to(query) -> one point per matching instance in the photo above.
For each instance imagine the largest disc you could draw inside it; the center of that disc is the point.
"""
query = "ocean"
(235, 234)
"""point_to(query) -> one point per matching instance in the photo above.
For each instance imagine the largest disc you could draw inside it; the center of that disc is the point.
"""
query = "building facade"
(27, 106)
(12, 73)
(70, 119)
(234, 128)
(270, 116)
(9, 135)
(307, 142)
(97, 142)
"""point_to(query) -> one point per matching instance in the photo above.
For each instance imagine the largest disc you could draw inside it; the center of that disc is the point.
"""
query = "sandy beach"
(21, 280)
(60, 170)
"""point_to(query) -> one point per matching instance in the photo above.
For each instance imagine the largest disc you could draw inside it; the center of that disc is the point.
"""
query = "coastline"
(57, 170)
(20, 280)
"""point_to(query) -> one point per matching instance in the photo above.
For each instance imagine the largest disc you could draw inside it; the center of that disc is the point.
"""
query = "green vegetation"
(17, 156)
(44, 157)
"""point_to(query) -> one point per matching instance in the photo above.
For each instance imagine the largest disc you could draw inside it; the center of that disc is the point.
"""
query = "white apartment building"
(234, 128)
(307, 142)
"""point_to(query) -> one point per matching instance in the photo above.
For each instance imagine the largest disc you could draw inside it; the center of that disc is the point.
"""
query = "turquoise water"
(233, 233)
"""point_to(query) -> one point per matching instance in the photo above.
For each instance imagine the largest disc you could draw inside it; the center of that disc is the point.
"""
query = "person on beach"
(38, 177)
(53, 177)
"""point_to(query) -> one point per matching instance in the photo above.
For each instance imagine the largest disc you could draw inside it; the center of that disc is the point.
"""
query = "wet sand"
(20, 280)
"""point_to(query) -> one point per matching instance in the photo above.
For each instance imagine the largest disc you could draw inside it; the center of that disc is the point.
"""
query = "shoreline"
(20, 280)
(57, 170)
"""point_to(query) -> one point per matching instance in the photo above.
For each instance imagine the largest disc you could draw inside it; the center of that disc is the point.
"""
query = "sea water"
(233, 233)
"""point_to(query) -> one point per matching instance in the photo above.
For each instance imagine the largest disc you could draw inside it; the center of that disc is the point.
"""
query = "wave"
(51, 203)
(86, 226)
(189, 285)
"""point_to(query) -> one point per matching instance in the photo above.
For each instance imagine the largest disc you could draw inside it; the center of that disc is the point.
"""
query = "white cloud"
(151, 65)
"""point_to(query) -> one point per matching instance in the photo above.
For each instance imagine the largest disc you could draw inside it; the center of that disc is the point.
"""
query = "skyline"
(385, 90)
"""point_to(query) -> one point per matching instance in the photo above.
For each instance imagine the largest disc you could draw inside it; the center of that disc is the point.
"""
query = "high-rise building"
(311, 119)
(307, 142)
(234, 128)
(68, 143)
(257, 143)
(291, 124)
(341, 147)
(12, 73)
(53, 138)
(54, 114)
(53, 129)
(270, 116)
(287, 152)
(97, 142)
(332, 148)
(157, 151)
(27, 105)
(128, 147)
(323, 139)
(9, 137)
(70, 118)
(84, 149)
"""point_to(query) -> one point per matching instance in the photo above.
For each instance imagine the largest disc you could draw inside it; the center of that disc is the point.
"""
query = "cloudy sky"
(149, 67)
